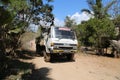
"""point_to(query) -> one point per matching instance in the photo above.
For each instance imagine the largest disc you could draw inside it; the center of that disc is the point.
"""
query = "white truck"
(60, 41)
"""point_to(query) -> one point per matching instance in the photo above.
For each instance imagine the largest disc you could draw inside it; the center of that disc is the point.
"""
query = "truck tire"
(47, 56)
(70, 57)
(116, 54)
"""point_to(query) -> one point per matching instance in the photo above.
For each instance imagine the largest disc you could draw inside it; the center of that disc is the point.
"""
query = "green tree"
(69, 22)
(17, 15)
(15, 18)
(84, 32)
(115, 13)
(99, 10)
(93, 31)
(116, 21)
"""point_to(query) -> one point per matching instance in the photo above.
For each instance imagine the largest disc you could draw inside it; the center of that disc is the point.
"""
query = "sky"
(71, 8)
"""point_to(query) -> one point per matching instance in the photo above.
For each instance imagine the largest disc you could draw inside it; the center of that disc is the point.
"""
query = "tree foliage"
(99, 10)
(115, 14)
(17, 15)
(69, 22)
(116, 22)
(15, 18)
(92, 32)
(114, 10)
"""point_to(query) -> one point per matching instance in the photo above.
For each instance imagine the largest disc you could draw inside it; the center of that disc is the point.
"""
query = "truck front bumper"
(63, 51)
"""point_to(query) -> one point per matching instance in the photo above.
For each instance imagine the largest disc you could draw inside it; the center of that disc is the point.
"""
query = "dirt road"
(85, 67)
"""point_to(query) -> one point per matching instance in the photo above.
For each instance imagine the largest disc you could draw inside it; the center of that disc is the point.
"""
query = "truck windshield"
(64, 33)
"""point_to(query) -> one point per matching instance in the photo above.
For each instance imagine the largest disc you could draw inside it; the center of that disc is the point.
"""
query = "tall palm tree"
(98, 9)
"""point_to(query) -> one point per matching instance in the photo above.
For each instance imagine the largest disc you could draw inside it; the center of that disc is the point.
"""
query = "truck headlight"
(52, 44)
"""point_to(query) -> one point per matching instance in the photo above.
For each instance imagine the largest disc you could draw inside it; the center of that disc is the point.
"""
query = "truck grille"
(66, 47)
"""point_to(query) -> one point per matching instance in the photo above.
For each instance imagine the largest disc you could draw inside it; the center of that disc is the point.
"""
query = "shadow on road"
(38, 74)
(11, 68)
(60, 59)
(26, 54)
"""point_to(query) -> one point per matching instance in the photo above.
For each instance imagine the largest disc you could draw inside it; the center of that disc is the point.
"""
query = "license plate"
(66, 51)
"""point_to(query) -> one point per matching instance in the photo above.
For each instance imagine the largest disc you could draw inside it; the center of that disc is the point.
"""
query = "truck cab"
(60, 41)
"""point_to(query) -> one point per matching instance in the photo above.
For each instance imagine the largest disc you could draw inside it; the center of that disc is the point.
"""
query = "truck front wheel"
(47, 56)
